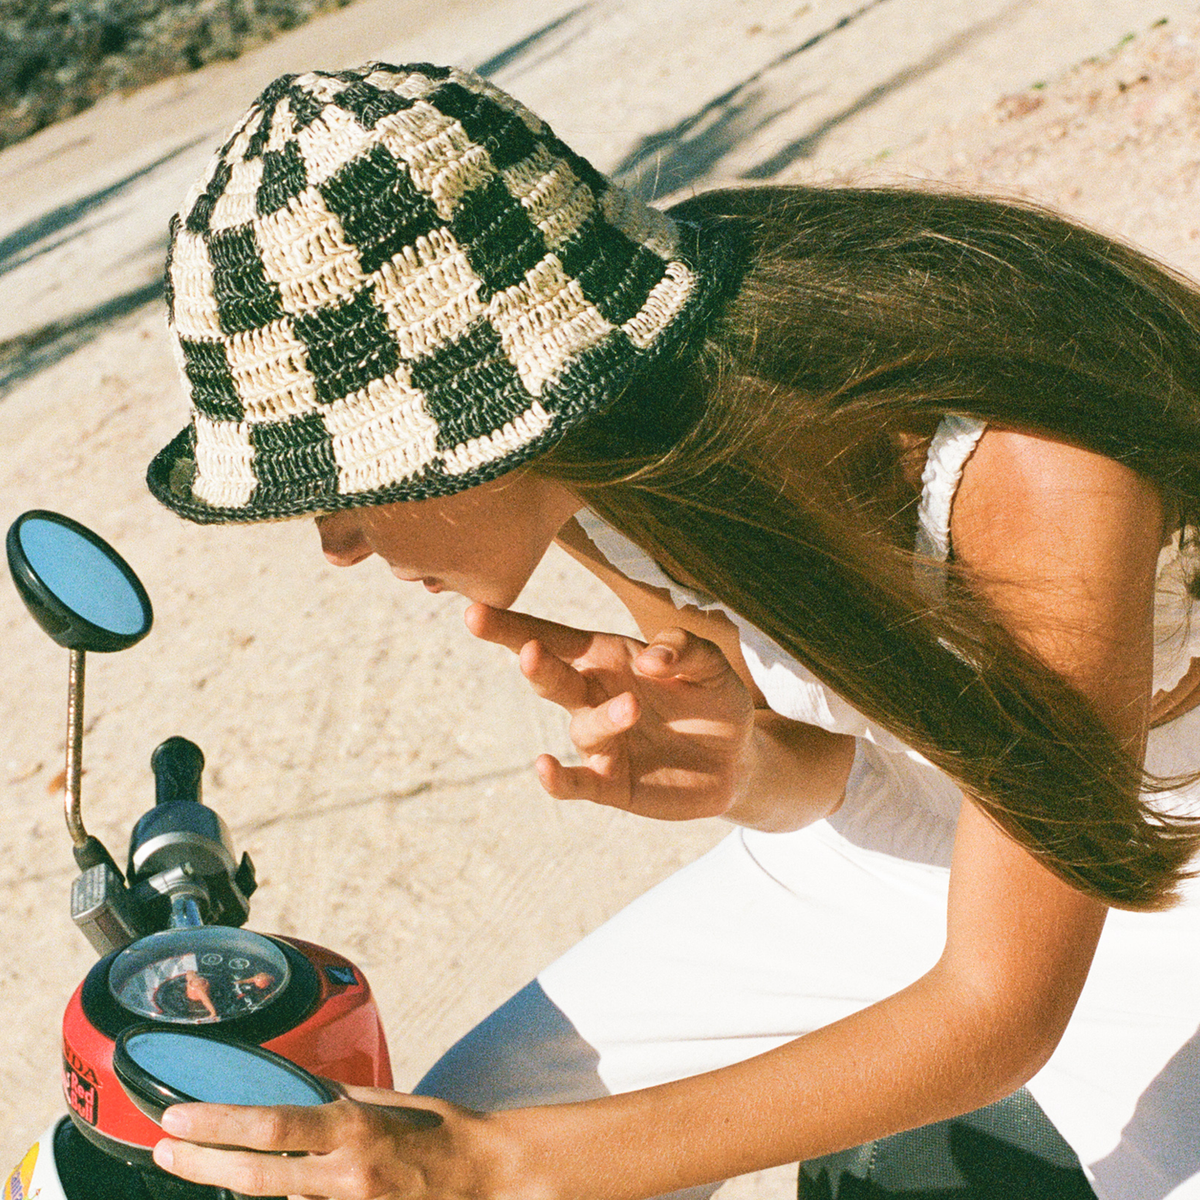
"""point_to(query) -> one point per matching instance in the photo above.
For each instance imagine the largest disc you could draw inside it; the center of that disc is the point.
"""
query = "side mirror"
(76, 586)
(159, 1067)
(86, 597)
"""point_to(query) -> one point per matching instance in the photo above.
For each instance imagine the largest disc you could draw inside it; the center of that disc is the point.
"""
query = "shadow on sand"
(32, 239)
(682, 155)
(518, 54)
(28, 353)
(950, 49)
(674, 157)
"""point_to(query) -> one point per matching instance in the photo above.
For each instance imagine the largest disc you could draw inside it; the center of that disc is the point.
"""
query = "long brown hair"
(871, 312)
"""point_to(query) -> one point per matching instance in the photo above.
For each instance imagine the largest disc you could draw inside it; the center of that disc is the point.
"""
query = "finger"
(277, 1128)
(678, 654)
(551, 678)
(574, 783)
(594, 729)
(513, 629)
(246, 1172)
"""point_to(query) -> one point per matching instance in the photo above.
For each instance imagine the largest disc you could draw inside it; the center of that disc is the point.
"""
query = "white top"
(792, 690)
(774, 934)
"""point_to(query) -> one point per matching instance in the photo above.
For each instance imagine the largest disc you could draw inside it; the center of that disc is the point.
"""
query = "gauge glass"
(198, 976)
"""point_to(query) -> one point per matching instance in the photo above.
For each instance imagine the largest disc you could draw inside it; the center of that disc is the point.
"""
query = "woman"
(890, 482)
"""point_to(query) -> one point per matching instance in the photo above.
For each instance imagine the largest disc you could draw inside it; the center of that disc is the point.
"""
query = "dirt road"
(372, 759)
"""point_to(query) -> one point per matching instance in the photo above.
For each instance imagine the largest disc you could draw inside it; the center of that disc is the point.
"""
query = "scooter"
(184, 1003)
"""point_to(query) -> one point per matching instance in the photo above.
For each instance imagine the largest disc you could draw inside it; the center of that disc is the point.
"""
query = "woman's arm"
(1065, 545)
(968, 1032)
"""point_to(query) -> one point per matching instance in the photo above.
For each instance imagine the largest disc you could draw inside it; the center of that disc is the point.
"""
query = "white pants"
(772, 935)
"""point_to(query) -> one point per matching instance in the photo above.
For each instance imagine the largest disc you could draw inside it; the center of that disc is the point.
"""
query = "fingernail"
(662, 654)
(174, 1121)
(164, 1154)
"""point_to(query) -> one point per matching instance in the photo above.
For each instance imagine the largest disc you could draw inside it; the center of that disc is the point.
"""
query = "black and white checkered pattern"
(394, 283)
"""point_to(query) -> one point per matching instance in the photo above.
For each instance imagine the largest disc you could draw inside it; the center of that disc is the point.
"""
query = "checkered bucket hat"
(395, 282)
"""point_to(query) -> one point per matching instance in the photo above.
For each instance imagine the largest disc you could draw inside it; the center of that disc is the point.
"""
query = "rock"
(58, 57)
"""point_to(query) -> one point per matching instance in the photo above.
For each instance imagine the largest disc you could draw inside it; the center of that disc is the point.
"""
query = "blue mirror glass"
(219, 1072)
(82, 576)
(75, 585)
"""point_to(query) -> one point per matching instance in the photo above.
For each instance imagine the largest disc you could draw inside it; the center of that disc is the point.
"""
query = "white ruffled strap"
(953, 444)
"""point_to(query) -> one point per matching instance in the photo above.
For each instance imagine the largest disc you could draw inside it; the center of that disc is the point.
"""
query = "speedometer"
(198, 976)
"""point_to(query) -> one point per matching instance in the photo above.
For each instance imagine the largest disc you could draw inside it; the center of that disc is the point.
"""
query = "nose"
(342, 541)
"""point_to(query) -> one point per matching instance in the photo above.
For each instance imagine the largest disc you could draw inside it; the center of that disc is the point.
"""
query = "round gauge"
(198, 976)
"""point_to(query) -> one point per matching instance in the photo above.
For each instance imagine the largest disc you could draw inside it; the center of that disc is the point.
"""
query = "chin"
(493, 597)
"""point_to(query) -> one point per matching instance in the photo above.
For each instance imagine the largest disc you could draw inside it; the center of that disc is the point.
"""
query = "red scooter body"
(169, 927)
(337, 1035)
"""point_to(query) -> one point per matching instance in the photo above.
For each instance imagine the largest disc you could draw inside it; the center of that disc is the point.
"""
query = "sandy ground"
(373, 760)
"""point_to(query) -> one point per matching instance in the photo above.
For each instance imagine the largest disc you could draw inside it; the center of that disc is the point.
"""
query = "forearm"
(970, 1031)
(929, 1052)
(944, 1045)
(795, 774)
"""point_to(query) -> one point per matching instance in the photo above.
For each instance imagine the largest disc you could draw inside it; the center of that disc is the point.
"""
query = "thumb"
(678, 654)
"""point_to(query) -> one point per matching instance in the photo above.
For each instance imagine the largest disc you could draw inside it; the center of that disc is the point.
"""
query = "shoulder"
(1021, 491)
(1063, 543)
(1048, 464)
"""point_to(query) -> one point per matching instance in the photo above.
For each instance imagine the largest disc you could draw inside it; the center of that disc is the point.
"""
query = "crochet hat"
(395, 282)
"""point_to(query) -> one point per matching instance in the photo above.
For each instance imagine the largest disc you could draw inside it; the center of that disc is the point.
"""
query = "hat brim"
(591, 384)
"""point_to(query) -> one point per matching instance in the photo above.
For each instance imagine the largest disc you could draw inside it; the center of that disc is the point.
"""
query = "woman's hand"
(369, 1145)
(664, 729)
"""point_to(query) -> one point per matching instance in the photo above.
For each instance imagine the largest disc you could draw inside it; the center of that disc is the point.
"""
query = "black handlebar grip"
(177, 764)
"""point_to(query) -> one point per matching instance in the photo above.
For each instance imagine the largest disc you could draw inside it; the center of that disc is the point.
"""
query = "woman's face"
(482, 543)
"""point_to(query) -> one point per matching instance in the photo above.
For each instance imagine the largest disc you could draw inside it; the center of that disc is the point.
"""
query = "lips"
(429, 582)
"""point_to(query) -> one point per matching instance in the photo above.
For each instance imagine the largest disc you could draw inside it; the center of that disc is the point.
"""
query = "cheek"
(520, 557)
(495, 571)
(405, 541)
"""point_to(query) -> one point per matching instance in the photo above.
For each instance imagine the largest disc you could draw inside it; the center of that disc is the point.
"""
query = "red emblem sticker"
(80, 1087)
